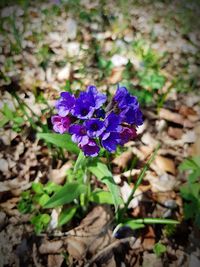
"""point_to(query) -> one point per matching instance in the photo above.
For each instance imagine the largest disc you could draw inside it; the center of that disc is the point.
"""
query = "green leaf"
(60, 140)
(37, 188)
(43, 199)
(189, 210)
(151, 79)
(80, 161)
(101, 171)
(189, 164)
(66, 215)
(51, 187)
(18, 120)
(133, 225)
(194, 176)
(197, 218)
(154, 221)
(25, 206)
(40, 222)
(159, 249)
(102, 197)
(3, 121)
(196, 159)
(7, 112)
(190, 191)
(66, 194)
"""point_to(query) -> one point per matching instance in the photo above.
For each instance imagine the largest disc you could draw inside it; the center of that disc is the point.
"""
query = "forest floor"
(151, 47)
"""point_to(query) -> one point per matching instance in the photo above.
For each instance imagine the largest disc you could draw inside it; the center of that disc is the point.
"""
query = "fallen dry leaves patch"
(63, 49)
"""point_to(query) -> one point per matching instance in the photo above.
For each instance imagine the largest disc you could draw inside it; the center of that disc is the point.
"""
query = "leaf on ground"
(50, 247)
(91, 235)
(55, 260)
(149, 239)
(164, 164)
(123, 159)
(58, 176)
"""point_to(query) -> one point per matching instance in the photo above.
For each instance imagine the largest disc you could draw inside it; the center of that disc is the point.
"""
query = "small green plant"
(34, 200)
(191, 190)
(96, 137)
(169, 230)
(14, 117)
(149, 74)
(44, 55)
(159, 249)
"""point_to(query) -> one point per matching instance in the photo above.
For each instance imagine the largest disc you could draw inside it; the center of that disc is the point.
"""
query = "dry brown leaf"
(195, 148)
(35, 257)
(115, 253)
(55, 260)
(175, 117)
(151, 260)
(116, 75)
(186, 111)
(162, 183)
(90, 235)
(14, 184)
(50, 247)
(171, 116)
(149, 140)
(175, 132)
(126, 190)
(3, 165)
(164, 165)
(138, 153)
(149, 239)
(58, 175)
(146, 150)
(123, 159)
(64, 73)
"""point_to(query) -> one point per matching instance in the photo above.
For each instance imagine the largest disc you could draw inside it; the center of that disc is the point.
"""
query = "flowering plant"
(94, 122)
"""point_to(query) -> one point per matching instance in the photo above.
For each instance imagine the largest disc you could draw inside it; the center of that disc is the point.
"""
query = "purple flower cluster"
(93, 124)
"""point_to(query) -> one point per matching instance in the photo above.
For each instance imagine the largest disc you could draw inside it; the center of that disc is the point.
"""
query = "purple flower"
(112, 122)
(90, 149)
(124, 99)
(99, 98)
(100, 113)
(126, 135)
(132, 115)
(94, 127)
(110, 141)
(83, 109)
(65, 104)
(79, 134)
(88, 102)
(60, 124)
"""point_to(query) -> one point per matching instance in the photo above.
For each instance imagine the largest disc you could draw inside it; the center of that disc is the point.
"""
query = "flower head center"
(84, 111)
(94, 126)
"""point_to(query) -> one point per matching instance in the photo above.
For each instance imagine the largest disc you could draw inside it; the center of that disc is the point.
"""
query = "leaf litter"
(52, 54)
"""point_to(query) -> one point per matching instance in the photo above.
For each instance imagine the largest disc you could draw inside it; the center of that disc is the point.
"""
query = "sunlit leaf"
(60, 140)
(159, 249)
(80, 161)
(102, 172)
(66, 215)
(102, 197)
(66, 194)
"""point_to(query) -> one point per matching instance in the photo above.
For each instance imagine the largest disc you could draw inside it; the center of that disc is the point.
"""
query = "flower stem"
(138, 182)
